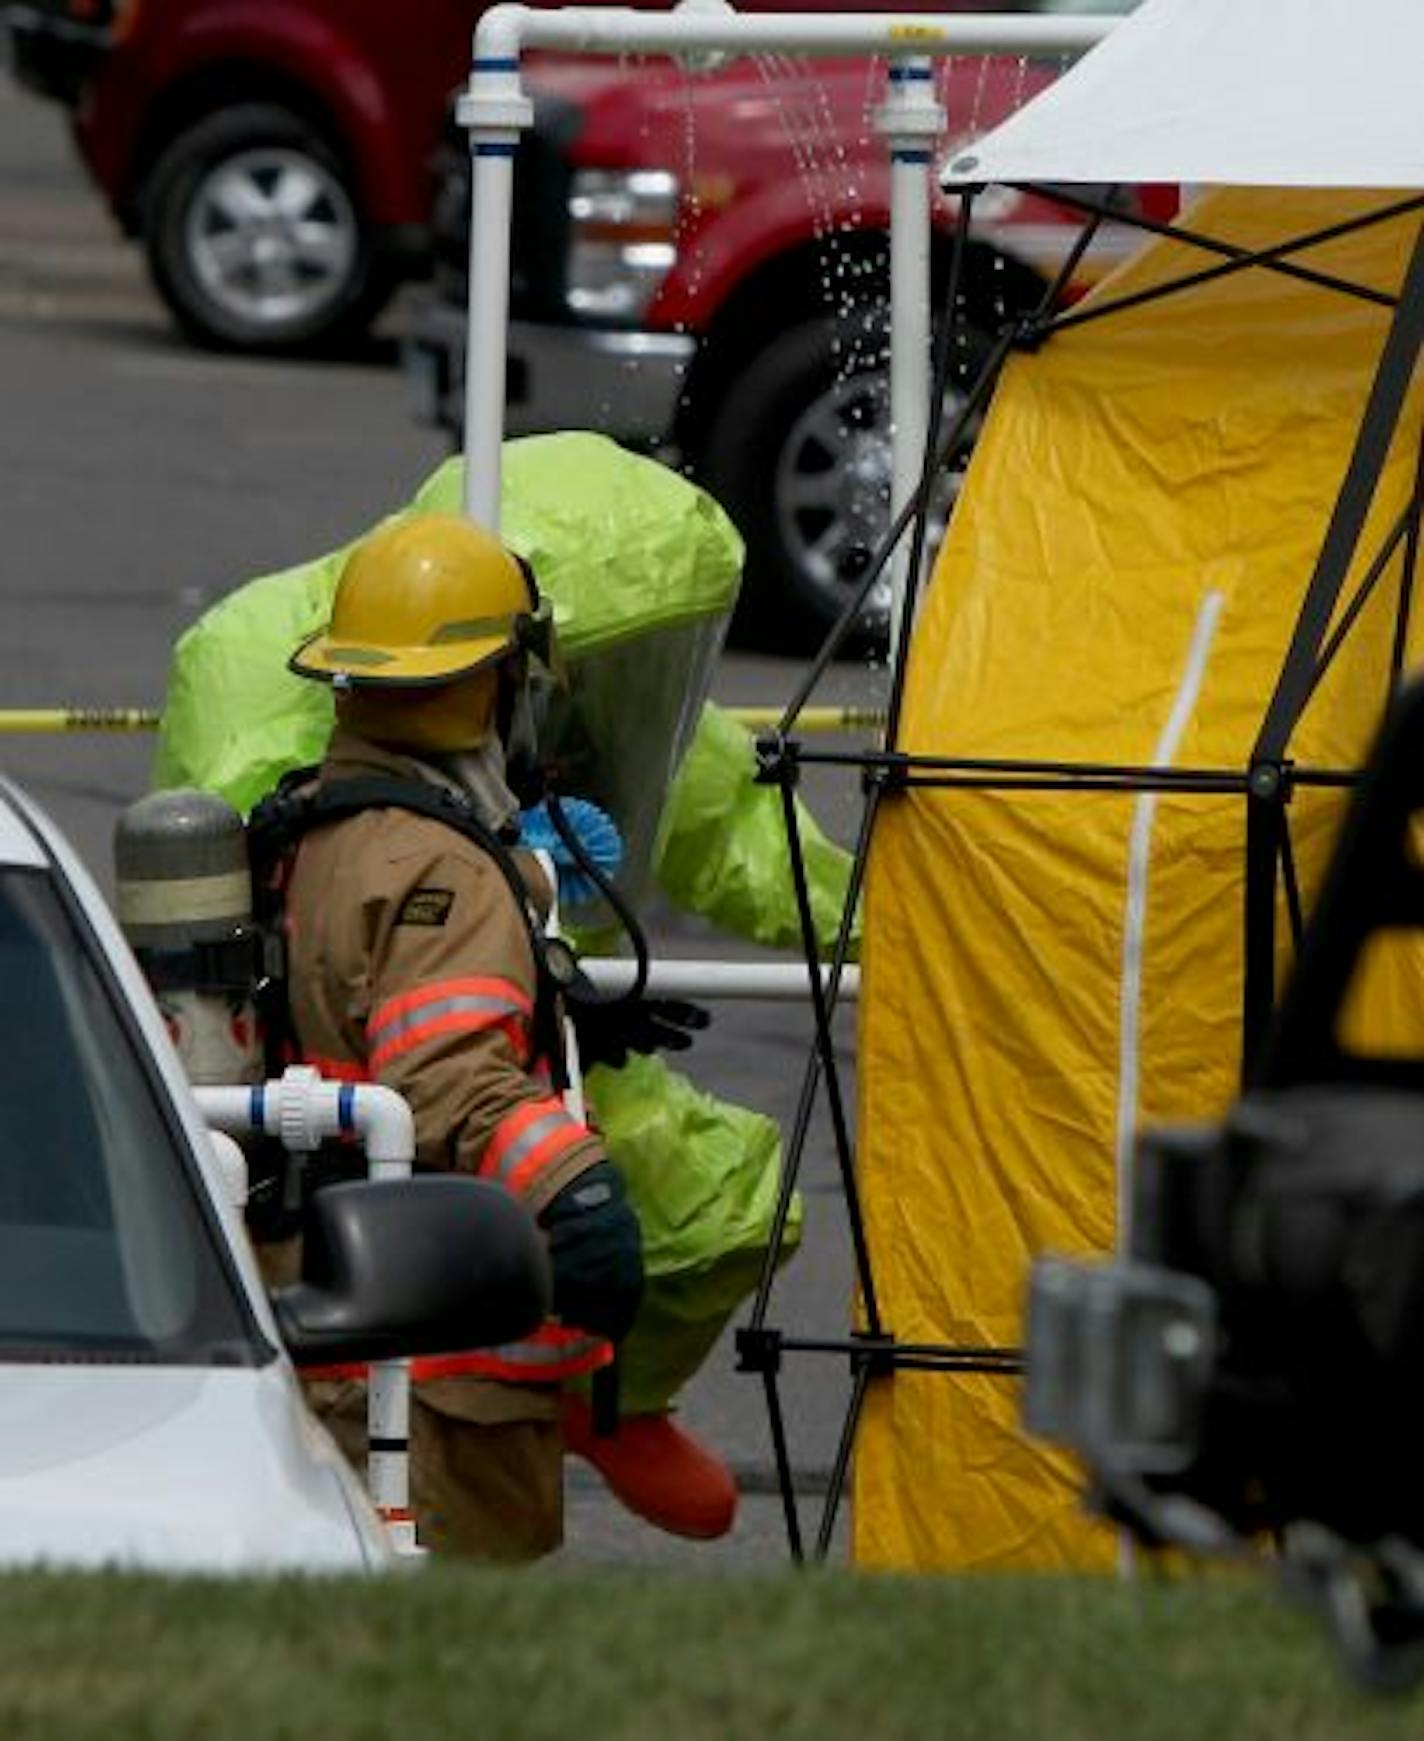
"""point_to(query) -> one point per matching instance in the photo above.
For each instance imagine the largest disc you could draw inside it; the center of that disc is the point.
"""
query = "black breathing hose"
(604, 884)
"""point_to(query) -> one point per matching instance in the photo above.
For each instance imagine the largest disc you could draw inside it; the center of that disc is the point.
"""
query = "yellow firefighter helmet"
(423, 600)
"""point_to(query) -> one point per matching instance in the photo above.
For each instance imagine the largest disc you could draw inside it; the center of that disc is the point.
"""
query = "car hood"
(174, 1469)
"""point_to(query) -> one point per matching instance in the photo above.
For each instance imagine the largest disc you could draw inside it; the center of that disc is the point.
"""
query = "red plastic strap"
(553, 1353)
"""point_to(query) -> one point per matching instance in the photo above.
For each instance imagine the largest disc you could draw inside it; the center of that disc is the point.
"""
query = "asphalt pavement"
(141, 480)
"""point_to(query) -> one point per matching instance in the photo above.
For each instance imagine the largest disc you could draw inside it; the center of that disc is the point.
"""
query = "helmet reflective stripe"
(472, 629)
(357, 655)
(478, 629)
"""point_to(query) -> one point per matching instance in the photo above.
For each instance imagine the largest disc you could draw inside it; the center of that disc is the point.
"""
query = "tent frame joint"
(873, 1354)
(1271, 780)
(759, 1349)
(778, 760)
(1027, 334)
(887, 775)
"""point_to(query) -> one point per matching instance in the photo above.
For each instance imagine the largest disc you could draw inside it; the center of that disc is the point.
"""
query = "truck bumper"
(624, 384)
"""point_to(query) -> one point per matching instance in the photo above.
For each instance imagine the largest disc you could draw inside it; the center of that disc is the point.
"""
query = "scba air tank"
(185, 905)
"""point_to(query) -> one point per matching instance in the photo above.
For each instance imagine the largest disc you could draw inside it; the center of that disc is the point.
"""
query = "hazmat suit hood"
(642, 569)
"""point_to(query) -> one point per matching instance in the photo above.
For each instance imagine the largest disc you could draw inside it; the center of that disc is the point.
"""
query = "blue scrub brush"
(598, 839)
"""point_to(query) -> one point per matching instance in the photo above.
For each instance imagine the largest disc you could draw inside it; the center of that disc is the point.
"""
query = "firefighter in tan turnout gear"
(413, 963)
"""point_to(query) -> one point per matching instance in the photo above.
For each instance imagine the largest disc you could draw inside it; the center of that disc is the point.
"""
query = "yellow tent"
(1054, 958)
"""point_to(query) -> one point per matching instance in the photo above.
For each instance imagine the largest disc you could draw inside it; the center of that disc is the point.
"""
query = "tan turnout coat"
(410, 965)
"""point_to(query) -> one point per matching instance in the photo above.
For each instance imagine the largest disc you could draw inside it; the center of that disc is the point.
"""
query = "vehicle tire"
(799, 454)
(256, 239)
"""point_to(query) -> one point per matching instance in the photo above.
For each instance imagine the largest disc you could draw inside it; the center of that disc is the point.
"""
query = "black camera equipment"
(1248, 1377)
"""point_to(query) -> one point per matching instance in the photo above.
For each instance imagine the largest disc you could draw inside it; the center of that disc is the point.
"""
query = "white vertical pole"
(388, 1381)
(496, 111)
(301, 1110)
(911, 120)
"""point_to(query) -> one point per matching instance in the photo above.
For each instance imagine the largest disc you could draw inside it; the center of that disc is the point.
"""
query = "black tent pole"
(1407, 578)
(1276, 259)
(1269, 773)
(1404, 528)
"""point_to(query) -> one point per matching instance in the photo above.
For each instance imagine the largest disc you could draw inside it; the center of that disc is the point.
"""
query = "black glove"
(596, 1251)
(609, 1030)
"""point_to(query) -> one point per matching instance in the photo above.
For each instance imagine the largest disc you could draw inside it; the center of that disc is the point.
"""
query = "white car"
(150, 1414)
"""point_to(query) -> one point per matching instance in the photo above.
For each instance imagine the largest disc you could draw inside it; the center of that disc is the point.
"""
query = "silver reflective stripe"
(528, 1140)
(394, 1026)
(542, 1353)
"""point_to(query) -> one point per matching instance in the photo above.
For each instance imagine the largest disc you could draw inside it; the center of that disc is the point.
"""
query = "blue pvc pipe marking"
(903, 74)
(500, 63)
(910, 156)
(346, 1107)
(257, 1108)
(493, 151)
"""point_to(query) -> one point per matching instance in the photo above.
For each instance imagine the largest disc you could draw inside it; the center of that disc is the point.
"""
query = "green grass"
(615, 1654)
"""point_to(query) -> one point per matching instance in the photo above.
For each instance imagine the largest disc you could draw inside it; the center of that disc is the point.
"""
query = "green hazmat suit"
(625, 550)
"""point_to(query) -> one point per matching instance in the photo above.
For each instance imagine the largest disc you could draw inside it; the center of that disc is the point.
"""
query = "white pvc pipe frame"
(497, 110)
(302, 1110)
(761, 981)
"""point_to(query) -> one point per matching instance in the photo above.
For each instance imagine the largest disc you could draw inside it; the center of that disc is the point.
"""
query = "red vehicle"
(699, 260)
(274, 156)
(700, 267)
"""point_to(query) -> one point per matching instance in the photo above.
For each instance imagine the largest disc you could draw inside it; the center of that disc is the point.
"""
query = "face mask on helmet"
(525, 688)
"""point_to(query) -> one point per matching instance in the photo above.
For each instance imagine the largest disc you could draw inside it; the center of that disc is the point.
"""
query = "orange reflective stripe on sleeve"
(447, 1006)
(528, 1140)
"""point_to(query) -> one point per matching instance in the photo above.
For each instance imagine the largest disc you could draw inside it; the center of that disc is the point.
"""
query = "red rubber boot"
(655, 1469)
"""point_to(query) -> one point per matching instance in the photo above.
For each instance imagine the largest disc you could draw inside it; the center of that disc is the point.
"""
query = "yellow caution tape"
(64, 719)
(811, 719)
(35, 720)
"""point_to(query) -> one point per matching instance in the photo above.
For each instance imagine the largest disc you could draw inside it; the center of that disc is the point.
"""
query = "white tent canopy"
(1259, 93)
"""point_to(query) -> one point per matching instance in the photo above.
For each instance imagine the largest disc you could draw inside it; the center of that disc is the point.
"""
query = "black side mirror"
(399, 1267)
